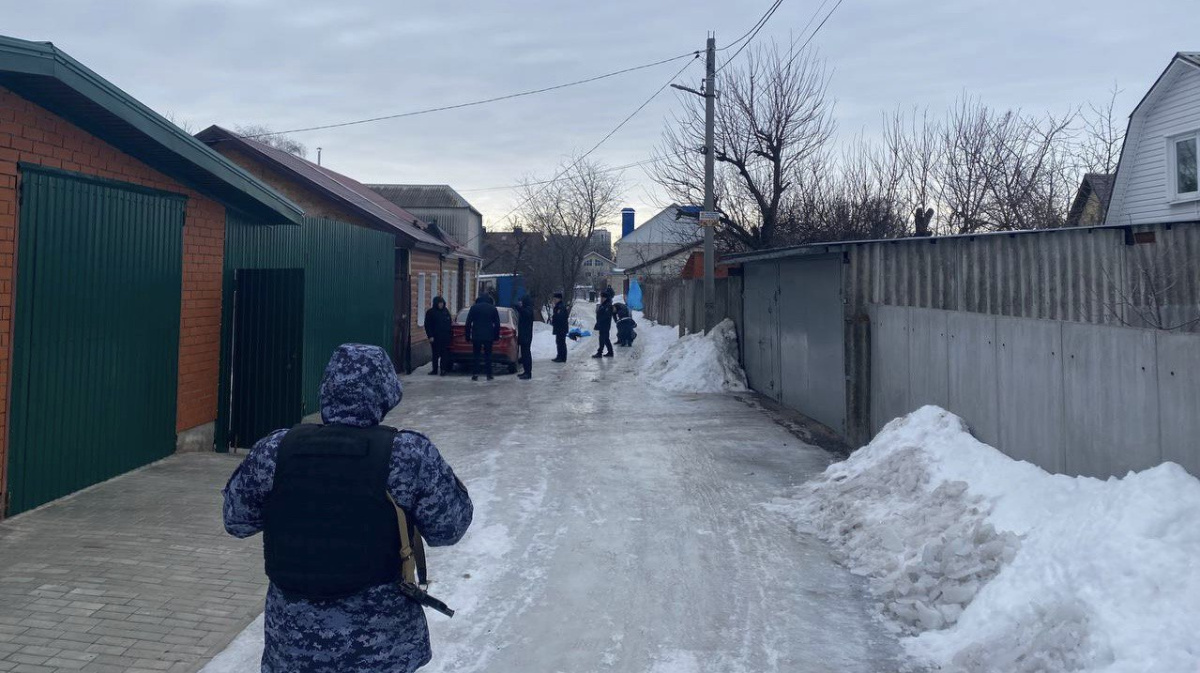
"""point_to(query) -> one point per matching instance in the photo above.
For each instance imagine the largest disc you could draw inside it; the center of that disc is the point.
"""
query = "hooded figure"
(525, 335)
(438, 327)
(376, 628)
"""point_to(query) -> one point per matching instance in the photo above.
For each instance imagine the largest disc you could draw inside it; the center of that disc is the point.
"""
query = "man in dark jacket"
(560, 321)
(525, 335)
(604, 321)
(335, 601)
(483, 330)
(437, 327)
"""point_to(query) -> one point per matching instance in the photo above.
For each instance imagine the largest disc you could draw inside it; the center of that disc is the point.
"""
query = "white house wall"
(1141, 194)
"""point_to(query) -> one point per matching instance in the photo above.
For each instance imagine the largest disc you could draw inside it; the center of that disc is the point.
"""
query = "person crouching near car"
(325, 498)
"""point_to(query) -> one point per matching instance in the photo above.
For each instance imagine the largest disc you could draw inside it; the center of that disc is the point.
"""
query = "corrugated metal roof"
(1192, 57)
(832, 247)
(45, 75)
(348, 190)
(422, 196)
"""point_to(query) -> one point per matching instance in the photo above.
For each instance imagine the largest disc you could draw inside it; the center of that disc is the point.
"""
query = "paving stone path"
(136, 574)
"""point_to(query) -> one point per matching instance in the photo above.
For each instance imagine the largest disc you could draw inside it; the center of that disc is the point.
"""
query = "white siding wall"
(1141, 193)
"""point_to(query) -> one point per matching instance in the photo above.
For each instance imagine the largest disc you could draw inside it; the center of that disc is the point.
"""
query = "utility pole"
(709, 218)
(710, 105)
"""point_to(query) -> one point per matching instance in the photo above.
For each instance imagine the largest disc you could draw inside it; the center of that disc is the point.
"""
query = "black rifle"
(422, 597)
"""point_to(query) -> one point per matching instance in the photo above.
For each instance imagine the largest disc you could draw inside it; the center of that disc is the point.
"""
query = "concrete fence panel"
(1029, 391)
(1179, 398)
(929, 363)
(973, 370)
(1110, 387)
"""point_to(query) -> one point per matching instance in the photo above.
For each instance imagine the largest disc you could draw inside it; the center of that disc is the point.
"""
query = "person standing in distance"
(325, 498)
(560, 320)
(438, 325)
(483, 331)
(604, 321)
(525, 335)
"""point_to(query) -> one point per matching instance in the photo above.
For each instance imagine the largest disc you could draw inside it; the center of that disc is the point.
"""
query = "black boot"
(598, 355)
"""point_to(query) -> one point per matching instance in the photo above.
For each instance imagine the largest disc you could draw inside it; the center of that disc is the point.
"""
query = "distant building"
(657, 236)
(601, 242)
(511, 251)
(1091, 201)
(1158, 176)
(594, 269)
(442, 206)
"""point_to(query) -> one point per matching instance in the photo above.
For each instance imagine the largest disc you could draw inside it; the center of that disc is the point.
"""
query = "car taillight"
(506, 332)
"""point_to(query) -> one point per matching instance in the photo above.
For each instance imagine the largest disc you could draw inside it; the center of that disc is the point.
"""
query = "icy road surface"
(619, 527)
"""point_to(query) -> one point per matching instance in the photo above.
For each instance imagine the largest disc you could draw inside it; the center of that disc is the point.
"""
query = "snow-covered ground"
(626, 528)
(990, 564)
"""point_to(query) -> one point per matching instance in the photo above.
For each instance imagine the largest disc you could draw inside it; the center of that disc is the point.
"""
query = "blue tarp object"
(633, 299)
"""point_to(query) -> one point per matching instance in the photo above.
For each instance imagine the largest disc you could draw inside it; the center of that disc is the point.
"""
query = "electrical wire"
(761, 24)
(614, 169)
(766, 14)
(821, 25)
(595, 147)
(443, 108)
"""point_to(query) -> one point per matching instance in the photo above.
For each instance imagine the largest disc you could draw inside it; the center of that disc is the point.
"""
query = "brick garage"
(32, 135)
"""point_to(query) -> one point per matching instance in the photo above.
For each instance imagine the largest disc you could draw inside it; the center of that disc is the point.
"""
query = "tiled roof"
(422, 196)
(348, 190)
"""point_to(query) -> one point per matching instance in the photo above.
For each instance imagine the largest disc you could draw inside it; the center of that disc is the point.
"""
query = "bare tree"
(585, 194)
(277, 140)
(1103, 136)
(772, 115)
(184, 125)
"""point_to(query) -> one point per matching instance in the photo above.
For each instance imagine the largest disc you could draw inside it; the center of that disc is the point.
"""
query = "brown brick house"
(423, 257)
(111, 241)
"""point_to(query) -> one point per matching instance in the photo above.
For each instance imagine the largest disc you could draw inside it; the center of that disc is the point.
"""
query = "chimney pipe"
(626, 221)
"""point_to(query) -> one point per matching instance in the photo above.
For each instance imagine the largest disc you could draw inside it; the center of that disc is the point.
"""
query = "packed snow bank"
(991, 564)
(699, 363)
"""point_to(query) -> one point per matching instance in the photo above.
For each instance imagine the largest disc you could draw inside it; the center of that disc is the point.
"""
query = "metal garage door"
(812, 339)
(761, 328)
(96, 344)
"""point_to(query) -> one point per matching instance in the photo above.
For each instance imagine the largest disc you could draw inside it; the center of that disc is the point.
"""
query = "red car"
(504, 351)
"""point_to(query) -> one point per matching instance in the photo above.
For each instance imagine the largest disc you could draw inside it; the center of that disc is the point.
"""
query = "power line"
(595, 147)
(443, 108)
(815, 30)
(770, 10)
(614, 169)
(753, 34)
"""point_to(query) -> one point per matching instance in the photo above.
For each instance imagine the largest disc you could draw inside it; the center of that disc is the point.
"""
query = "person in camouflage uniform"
(377, 629)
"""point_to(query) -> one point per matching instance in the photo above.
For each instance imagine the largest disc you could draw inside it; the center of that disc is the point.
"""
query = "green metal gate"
(96, 345)
(349, 276)
(268, 345)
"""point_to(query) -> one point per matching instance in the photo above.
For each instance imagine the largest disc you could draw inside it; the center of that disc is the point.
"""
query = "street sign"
(709, 217)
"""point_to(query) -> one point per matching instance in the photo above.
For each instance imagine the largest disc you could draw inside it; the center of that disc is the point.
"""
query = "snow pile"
(991, 564)
(700, 363)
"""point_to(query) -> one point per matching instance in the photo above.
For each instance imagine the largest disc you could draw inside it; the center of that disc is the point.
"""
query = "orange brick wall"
(31, 133)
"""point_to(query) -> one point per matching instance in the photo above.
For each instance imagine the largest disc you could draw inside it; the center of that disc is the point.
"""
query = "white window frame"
(420, 308)
(454, 291)
(1175, 196)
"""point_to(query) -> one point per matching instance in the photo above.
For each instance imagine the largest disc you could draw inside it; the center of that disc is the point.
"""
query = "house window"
(420, 307)
(1184, 176)
(433, 289)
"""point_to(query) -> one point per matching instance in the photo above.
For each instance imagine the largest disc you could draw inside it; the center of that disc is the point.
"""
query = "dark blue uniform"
(376, 630)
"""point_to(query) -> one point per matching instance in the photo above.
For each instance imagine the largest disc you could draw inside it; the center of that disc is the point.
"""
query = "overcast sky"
(291, 63)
